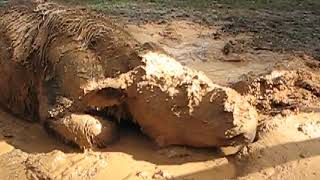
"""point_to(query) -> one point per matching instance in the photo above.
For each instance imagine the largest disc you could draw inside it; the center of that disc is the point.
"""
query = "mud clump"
(282, 91)
(78, 73)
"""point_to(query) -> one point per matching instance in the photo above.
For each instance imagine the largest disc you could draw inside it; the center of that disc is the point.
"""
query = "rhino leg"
(84, 130)
(18, 92)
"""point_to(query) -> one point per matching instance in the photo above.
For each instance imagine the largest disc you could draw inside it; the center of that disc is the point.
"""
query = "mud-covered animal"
(76, 72)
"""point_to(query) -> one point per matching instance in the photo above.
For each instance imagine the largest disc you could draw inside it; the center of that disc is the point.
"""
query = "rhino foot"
(84, 130)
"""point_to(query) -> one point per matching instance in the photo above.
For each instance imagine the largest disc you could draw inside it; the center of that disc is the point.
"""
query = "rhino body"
(76, 72)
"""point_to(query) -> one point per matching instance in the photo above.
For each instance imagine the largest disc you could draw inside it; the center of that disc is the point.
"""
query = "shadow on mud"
(312, 146)
(29, 137)
(134, 143)
(33, 138)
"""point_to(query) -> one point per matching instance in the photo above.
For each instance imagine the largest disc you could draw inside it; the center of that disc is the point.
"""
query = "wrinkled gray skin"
(49, 53)
(64, 66)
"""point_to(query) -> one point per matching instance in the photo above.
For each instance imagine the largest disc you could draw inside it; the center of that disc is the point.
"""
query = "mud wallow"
(77, 73)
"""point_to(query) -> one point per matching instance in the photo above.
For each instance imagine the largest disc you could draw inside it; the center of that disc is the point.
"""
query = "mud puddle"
(224, 59)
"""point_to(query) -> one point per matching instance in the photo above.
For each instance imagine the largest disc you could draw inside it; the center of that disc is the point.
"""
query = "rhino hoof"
(84, 130)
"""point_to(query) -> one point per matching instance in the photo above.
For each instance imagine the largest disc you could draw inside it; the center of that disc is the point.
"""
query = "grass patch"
(101, 5)
(2, 2)
(274, 4)
(248, 4)
(203, 4)
(268, 4)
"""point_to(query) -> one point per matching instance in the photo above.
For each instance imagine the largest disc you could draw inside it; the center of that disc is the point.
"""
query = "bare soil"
(283, 84)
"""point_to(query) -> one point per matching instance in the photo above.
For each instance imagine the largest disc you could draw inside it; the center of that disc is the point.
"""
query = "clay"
(60, 64)
(62, 166)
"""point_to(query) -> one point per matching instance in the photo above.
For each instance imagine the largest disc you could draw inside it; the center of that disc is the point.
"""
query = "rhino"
(78, 73)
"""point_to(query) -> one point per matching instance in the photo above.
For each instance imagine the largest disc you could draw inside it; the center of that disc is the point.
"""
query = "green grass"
(200, 4)
(252, 4)
(2, 2)
(274, 4)
(102, 5)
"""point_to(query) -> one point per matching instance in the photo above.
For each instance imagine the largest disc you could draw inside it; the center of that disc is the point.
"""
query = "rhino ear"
(153, 47)
(32, 46)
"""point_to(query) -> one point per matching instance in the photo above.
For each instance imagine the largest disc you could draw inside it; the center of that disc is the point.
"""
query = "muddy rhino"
(76, 72)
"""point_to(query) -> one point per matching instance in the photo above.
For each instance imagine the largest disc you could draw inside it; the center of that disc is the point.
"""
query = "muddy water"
(195, 46)
(226, 73)
(140, 155)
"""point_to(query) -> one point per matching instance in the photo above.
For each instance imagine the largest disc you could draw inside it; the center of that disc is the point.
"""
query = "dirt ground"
(270, 56)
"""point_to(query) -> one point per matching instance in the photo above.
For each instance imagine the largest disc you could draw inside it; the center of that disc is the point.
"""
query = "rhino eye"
(92, 44)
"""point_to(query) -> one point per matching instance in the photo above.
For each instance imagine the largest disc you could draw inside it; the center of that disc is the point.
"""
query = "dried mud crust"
(283, 91)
